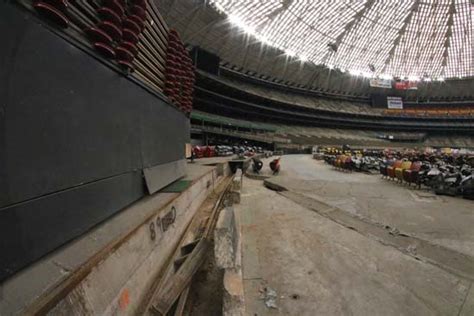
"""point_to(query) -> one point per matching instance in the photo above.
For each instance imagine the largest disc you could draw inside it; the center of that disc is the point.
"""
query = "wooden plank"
(141, 58)
(88, 10)
(159, 22)
(188, 247)
(158, 16)
(143, 77)
(157, 25)
(183, 298)
(161, 49)
(146, 46)
(178, 282)
(160, 37)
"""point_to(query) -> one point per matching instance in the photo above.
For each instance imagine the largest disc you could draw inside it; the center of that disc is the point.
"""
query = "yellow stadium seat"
(399, 171)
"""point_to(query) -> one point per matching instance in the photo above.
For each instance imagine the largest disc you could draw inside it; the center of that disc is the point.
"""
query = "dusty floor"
(320, 265)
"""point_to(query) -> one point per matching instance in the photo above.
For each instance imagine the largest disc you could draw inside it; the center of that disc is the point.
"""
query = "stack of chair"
(53, 10)
(133, 24)
(116, 35)
(179, 73)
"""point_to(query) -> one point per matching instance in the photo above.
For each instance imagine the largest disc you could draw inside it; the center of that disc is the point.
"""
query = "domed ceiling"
(430, 39)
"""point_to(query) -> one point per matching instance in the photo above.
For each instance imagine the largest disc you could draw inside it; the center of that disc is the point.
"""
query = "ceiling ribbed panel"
(407, 38)
(461, 48)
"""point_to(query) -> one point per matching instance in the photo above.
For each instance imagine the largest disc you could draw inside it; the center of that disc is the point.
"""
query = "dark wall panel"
(70, 119)
(205, 60)
(29, 230)
(162, 135)
(75, 136)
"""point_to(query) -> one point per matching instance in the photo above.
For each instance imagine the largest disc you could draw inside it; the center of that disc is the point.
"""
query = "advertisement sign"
(381, 83)
(394, 103)
(406, 85)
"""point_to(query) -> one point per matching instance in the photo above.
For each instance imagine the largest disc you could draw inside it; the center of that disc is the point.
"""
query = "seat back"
(416, 166)
(405, 165)
(391, 169)
(397, 164)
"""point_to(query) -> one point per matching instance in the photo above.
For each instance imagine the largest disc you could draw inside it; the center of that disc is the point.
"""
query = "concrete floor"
(319, 266)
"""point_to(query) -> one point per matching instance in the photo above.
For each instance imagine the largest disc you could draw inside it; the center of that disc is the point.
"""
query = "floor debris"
(269, 297)
(412, 249)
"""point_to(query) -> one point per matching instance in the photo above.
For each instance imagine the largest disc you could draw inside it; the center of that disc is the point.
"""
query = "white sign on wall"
(381, 83)
(394, 103)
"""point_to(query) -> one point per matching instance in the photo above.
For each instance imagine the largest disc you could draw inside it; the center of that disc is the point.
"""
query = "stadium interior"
(216, 157)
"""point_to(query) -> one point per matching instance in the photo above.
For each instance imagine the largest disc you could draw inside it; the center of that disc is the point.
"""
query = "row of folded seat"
(455, 112)
(403, 171)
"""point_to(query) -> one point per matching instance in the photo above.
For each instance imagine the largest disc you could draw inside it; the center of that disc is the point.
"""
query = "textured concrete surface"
(442, 220)
(320, 267)
(225, 239)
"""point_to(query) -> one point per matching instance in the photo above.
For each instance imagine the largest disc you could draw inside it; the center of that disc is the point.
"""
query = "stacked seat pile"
(116, 35)
(179, 74)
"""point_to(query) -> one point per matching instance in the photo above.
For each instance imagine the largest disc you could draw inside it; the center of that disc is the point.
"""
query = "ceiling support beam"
(448, 35)
(401, 33)
(357, 17)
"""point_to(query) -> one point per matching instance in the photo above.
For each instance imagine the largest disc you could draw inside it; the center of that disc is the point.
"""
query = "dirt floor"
(342, 243)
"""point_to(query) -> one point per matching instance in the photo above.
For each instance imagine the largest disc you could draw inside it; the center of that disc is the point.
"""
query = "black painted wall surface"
(74, 138)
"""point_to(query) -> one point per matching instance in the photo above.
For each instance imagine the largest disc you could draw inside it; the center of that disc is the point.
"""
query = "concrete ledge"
(228, 255)
(237, 181)
(225, 239)
(236, 186)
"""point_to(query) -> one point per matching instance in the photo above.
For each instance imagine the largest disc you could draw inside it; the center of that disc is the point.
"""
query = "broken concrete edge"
(274, 186)
(227, 252)
(233, 296)
(225, 239)
(237, 181)
(236, 186)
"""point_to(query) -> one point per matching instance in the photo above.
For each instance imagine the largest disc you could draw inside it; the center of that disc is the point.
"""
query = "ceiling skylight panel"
(460, 52)
(397, 37)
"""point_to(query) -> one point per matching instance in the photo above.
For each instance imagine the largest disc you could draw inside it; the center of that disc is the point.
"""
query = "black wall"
(74, 138)
(205, 60)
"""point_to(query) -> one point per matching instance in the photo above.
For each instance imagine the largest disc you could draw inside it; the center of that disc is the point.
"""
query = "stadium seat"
(338, 161)
(406, 164)
(411, 175)
(391, 169)
(383, 168)
(347, 163)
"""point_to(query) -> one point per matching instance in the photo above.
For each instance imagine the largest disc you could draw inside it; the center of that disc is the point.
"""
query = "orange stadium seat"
(391, 169)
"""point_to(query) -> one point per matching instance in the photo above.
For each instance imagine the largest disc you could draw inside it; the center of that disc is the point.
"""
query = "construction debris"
(172, 290)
